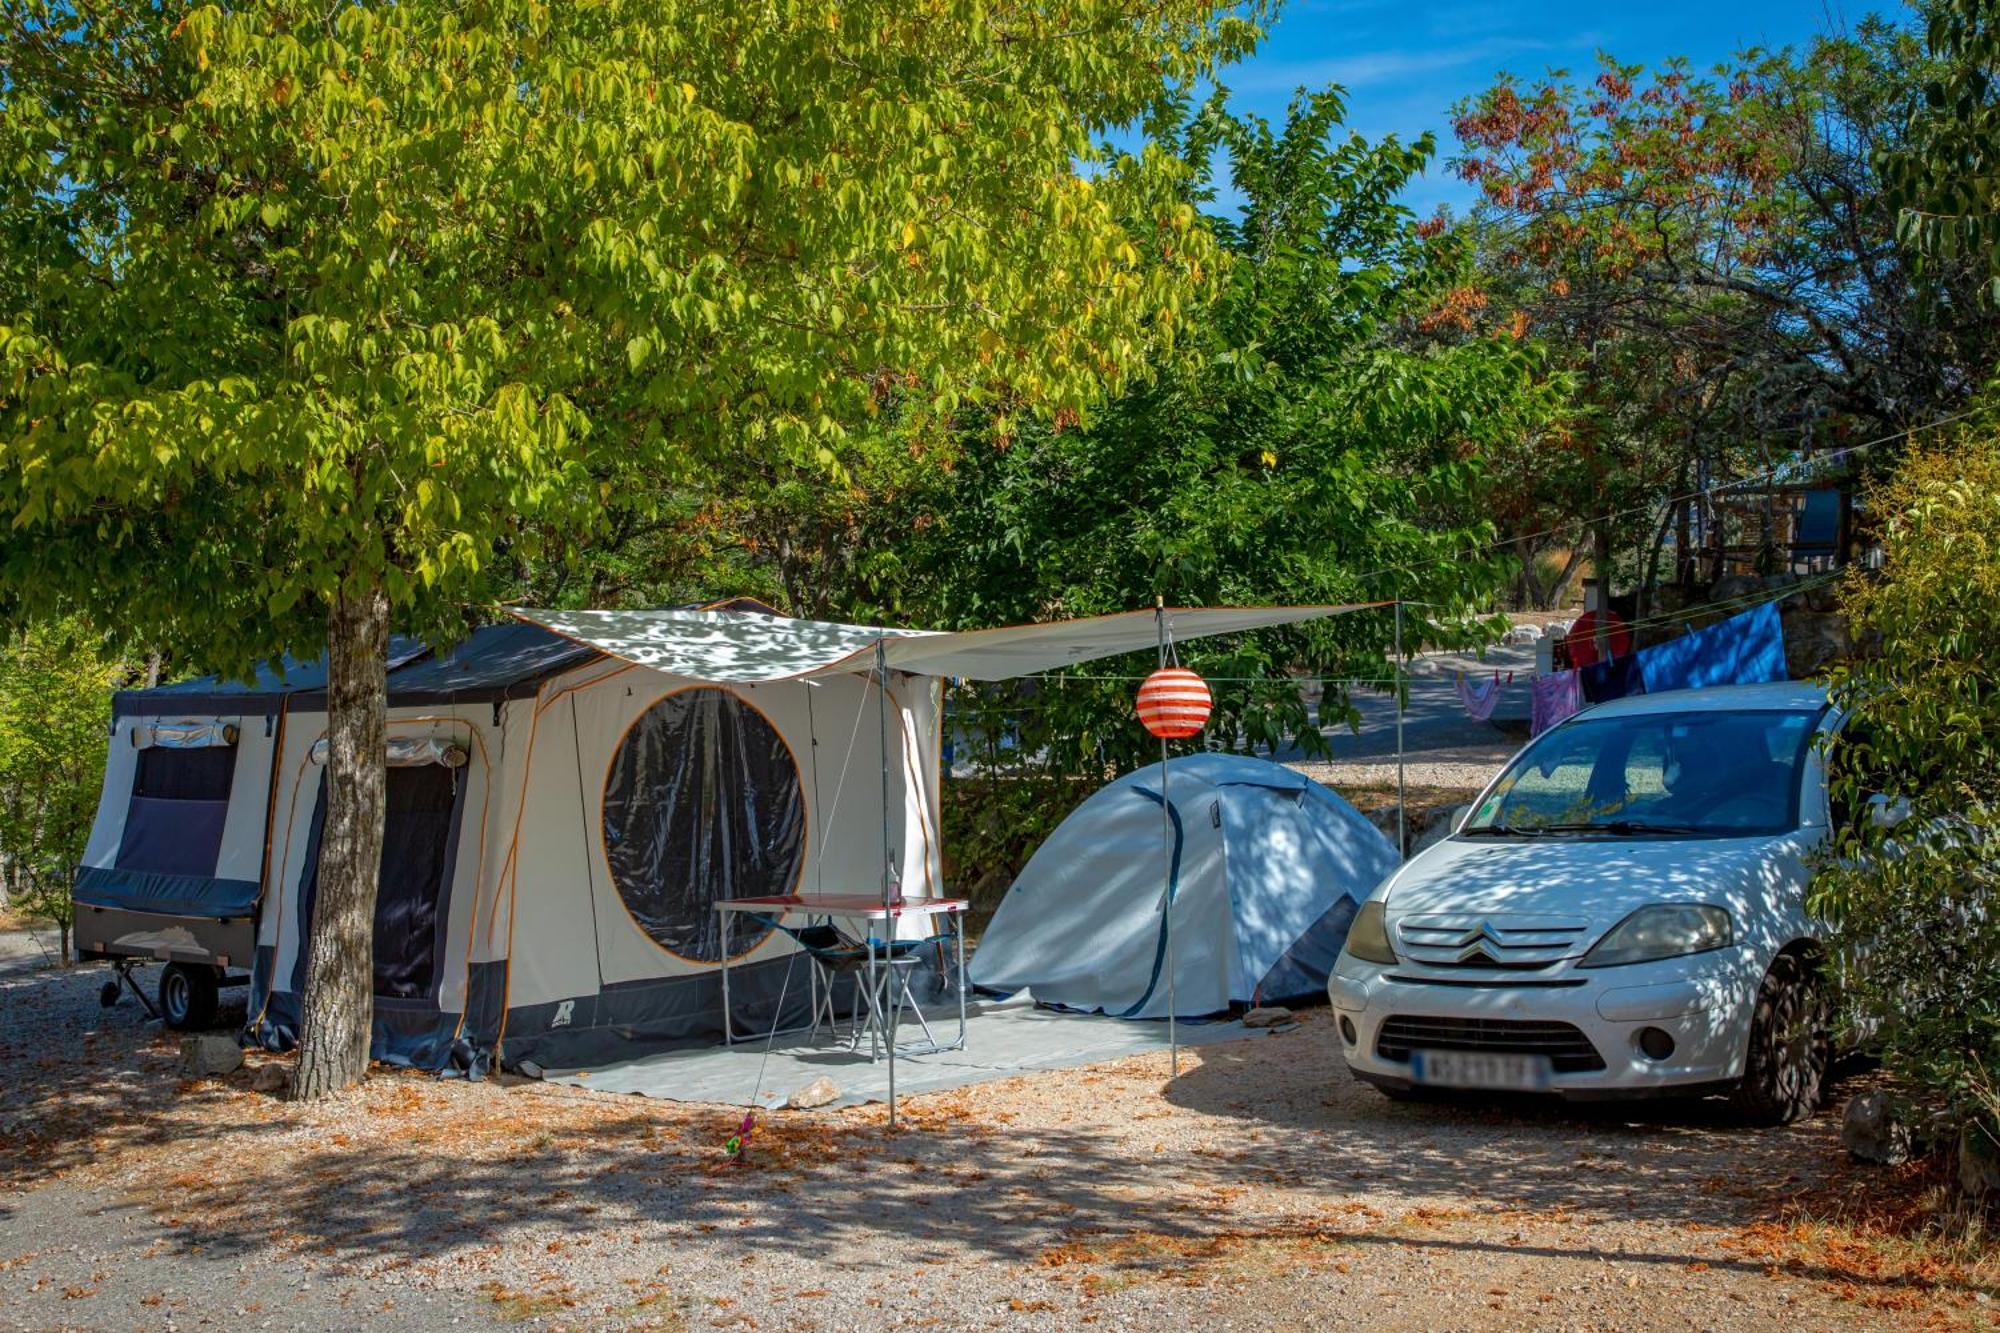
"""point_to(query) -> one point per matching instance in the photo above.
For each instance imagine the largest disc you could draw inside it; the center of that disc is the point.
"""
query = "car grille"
(1523, 943)
(1569, 1051)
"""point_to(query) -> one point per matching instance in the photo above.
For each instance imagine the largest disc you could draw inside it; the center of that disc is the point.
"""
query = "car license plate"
(1480, 1069)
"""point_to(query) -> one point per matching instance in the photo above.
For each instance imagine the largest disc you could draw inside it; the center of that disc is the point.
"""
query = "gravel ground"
(1466, 776)
(1259, 1189)
(1442, 746)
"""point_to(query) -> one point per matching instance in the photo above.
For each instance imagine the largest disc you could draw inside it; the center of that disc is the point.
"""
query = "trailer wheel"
(187, 996)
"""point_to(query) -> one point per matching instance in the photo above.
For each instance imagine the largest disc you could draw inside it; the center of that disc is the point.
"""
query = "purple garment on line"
(1479, 699)
(1556, 696)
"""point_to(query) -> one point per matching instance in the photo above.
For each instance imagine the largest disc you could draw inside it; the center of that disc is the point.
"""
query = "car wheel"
(187, 997)
(1790, 1050)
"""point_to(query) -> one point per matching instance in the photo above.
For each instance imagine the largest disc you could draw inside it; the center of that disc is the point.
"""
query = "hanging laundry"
(1613, 679)
(1480, 699)
(1746, 649)
(1556, 696)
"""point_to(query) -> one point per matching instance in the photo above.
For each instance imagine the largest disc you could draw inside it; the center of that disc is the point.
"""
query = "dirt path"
(1261, 1189)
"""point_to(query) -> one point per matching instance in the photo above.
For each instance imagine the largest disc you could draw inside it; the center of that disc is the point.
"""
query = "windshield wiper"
(1508, 831)
(1623, 828)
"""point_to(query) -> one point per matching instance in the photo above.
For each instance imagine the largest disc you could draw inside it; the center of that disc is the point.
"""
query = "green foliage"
(55, 712)
(1709, 253)
(1620, 222)
(1918, 902)
(316, 316)
(1942, 180)
(301, 299)
(1302, 439)
(1303, 452)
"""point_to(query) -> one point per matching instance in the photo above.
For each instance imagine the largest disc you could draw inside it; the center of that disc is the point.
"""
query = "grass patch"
(1115, 1263)
(1888, 1239)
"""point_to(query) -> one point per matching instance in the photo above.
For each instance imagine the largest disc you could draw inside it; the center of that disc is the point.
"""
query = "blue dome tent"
(1268, 869)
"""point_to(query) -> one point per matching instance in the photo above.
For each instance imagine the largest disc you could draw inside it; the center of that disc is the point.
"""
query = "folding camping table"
(855, 907)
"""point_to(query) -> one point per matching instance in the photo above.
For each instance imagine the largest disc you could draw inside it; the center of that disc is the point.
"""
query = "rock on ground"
(819, 1092)
(208, 1054)
(1978, 1163)
(1874, 1131)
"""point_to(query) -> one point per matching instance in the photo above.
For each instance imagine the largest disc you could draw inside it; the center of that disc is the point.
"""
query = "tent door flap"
(420, 827)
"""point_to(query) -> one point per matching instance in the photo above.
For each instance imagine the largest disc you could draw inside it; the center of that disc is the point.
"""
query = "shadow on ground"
(415, 1172)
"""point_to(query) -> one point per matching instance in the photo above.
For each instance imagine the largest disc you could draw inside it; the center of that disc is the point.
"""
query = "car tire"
(187, 997)
(1785, 1069)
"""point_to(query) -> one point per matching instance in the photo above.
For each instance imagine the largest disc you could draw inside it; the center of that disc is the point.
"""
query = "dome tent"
(1268, 867)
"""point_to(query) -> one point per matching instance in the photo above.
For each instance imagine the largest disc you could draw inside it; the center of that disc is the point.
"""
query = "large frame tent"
(568, 796)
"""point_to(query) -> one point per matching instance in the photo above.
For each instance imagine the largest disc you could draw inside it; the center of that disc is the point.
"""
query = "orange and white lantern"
(1174, 703)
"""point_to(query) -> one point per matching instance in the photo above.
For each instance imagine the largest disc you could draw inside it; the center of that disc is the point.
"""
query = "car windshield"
(1722, 774)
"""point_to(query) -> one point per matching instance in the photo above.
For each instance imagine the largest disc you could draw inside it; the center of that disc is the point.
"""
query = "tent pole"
(1402, 832)
(1167, 894)
(888, 856)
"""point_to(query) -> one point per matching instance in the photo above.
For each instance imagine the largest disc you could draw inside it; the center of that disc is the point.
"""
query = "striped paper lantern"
(1174, 703)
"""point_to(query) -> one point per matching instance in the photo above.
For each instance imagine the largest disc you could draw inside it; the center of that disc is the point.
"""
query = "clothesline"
(1747, 648)
(1742, 602)
(1746, 601)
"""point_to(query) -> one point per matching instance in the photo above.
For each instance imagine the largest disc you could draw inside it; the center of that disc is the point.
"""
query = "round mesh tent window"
(702, 802)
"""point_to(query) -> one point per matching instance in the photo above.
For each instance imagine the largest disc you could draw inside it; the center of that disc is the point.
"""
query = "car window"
(1646, 766)
(1726, 773)
(1557, 790)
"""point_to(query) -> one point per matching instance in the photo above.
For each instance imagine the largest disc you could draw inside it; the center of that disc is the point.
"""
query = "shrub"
(1912, 897)
(55, 707)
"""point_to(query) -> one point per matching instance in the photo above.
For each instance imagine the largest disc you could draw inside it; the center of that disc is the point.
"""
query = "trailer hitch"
(109, 995)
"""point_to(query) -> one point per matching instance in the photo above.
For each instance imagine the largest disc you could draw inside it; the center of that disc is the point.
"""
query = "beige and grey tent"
(568, 796)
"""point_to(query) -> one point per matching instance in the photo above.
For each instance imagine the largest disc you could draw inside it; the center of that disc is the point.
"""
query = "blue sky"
(1405, 63)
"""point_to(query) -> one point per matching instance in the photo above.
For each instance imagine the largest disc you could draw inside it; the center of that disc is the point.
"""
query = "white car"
(1621, 913)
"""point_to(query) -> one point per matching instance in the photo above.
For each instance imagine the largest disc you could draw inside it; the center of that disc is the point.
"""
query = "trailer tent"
(567, 797)
(1268, 869)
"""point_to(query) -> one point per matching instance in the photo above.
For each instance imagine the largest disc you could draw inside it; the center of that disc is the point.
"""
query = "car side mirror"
(1885, 813)
(1460, 816)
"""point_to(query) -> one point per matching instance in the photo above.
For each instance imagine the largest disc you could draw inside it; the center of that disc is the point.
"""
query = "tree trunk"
(340, 961)
(1559, 590)
(1649, 578)
(1601, 557)
(1684, 559)
(1528, 592)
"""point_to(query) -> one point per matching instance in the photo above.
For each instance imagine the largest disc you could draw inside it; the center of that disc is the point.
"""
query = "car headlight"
(1368, 935)
(1664, 930)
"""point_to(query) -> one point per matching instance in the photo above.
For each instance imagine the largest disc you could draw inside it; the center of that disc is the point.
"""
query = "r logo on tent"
(563, 1012)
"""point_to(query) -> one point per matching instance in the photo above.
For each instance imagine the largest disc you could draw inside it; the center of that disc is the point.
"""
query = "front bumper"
(1703, 1004)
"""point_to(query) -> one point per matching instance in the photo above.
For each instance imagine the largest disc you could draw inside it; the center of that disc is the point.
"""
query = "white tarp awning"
(742, 646)
(1020, 650)
(722, 646)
